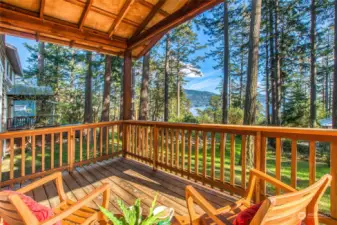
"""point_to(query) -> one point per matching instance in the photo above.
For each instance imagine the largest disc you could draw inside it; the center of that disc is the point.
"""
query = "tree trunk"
(144, 95)
(252, 73)
(312, 120)
(272, 64)
(277, 70)
(133, 83)
(225, 66)
(166, 81)
(334, 95)
(88, 90)
(267, 82)
(107, 89)
(41, 57)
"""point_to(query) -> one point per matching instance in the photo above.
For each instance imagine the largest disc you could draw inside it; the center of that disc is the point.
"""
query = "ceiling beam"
(124, 10)
(149, 17)
(85, 13)
(71, 44)
(42, 4)
(11, 19)
(150, 45)
(150, 6)
(102, 11)
(187, 12)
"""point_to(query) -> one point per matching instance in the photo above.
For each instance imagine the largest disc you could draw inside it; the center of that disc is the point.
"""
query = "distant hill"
(199, 98)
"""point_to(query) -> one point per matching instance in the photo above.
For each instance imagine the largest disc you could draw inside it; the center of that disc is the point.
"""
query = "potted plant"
(132, 215)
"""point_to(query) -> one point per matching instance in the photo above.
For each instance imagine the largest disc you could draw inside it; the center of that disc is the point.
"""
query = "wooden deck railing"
(212, 155)
(34, 153)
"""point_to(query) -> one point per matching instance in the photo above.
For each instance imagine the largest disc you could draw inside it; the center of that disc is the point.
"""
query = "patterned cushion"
(41, 212)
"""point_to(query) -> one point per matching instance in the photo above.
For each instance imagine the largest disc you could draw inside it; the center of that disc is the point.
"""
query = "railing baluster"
(243, 161)
(95, 142)
(166, 146)
(312, 162)
(1, 155)
(162, 145)
(52, 151)
(100, 141)
(222, 157)
(278, 162)
(151, 143)
(61, 149)
(189, 151)
(107, 129)
(11, 162)
(113, 138)
(88, 143)
(183, 150)
(23, 156)
(81, 145)
(294, 163)
(213, 156)
(155, 148)
(118, 136)
(33, 154)
(232, 163)
(43, 153)
(177, 149)
(204, 154)
(172, 149)
(146, 139)
(196, 155)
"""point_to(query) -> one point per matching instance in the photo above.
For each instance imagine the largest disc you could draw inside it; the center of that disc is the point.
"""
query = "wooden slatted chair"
(287, 209)
(15, 212)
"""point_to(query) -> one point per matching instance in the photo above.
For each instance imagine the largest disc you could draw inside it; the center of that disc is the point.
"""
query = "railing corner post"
(257, 159)
(333, 172)
(155, 147)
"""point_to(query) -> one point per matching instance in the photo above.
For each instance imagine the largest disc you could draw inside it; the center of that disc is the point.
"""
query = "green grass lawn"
(302, 165)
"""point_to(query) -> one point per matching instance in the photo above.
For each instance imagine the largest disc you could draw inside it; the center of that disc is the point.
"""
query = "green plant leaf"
(153, 204)
(111, 216)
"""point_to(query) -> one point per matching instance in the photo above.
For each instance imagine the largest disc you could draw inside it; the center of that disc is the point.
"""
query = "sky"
(209, 81)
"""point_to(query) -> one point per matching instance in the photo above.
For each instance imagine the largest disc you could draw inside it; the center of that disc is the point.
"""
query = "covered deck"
(129, 180)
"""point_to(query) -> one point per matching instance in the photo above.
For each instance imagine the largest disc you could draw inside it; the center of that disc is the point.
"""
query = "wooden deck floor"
(128, 180)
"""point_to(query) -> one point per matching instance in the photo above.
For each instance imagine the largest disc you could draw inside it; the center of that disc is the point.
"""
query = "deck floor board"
(128, 181)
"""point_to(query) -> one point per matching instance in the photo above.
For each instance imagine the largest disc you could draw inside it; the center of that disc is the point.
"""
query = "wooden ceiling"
(104, 26)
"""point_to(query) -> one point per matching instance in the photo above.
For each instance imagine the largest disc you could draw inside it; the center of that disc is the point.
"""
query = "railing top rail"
(268, 130)
(50, 130)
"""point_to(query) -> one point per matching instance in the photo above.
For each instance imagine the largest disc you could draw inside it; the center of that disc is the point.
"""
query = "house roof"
(109, 27)
(14, 59)
(23, 90)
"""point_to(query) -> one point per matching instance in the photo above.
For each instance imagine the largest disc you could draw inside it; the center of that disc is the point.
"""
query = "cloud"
(208, 84)
(191, 72)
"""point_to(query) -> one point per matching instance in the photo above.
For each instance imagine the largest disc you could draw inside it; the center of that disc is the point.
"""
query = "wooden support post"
(127, 95)
(155, 148)
(257, 154)
(333, 172)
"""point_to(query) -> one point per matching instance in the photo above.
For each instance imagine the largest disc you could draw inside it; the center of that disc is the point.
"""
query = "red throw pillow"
(246, 216)
(41, 212)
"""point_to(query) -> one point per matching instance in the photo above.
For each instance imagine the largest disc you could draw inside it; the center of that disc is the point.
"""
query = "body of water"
(194, 110)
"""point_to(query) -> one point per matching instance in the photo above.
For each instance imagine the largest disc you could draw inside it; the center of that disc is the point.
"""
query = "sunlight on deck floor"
(128, 180)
